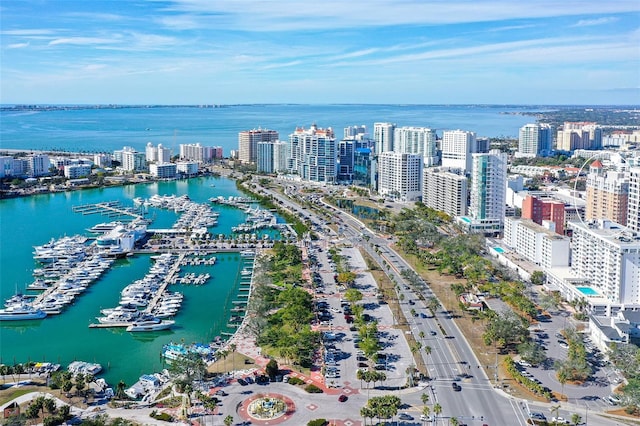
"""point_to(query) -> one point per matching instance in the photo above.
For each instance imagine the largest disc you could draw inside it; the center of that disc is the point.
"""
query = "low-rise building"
(163, 171)
(75, 171)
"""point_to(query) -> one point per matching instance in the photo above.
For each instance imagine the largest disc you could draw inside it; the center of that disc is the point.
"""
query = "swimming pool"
(499, 249)
(588, 291)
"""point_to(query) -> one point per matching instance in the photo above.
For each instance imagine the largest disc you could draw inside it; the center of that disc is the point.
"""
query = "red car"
(343, 398)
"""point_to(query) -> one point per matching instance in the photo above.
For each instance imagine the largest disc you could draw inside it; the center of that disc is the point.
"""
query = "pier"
(170, 278)
(111, 209)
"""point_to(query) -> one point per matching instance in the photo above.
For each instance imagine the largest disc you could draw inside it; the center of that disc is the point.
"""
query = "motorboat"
(81, 367)
(150, 326)
(21, 311)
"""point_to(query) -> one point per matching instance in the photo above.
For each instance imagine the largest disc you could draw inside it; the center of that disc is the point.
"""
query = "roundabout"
(267, 409)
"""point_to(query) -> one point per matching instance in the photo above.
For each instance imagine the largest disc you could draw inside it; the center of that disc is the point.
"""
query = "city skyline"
(202, 52)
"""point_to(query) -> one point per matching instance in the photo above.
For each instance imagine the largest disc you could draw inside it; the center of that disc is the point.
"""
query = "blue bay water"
(25, 222)
(105, 130)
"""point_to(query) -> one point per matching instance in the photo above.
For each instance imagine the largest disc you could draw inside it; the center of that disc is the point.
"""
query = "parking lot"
(342, 355)
(596, 391)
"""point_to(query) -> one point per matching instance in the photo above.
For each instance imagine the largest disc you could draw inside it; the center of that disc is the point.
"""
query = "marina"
(203, 312)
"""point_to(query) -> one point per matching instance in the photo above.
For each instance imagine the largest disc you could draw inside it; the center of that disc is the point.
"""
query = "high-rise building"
(102, 160)
(579, 135)
(364, 168)
(400, 176)
(272, 157)
(633, 215)
(417, 140)
(445, 191)
(488, 193)
(346, 149)
(541, 210)
(607, 194)
(158, 154)
(248, 143)
(457, 148)
(130, 159)
(383, 137)
(536, 243)
(608, 255)
(216, 152)
(355, 132)
(198, 153)
(534, 140)
(312, 154)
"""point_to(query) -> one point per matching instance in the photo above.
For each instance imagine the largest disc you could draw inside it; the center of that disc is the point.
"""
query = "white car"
(559, 420)
(425, 418)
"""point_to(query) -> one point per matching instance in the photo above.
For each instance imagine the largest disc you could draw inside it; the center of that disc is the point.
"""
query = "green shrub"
(313, 389)
(161, 416)
(317, 422)
(296, 381)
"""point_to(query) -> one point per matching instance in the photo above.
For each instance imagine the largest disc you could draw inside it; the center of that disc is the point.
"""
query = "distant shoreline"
(67, 107)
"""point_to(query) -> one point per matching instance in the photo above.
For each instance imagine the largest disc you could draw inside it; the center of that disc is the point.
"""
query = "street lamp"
(586, 414)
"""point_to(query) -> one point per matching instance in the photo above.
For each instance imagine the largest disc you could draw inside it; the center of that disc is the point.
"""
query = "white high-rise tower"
(457, 147)
(383, 137)
(417, 140)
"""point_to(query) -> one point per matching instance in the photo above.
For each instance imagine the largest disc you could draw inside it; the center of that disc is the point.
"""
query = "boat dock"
(110, 209)
(169, 279)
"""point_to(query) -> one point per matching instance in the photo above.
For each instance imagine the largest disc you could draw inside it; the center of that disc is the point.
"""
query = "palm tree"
(4, 371)
(433, 305)
(437, 409)
(232, 348)
(426, 411)
(120, 390)
(425, 398)
(563, 376)
(554, 410)
(576, 419)
(228, 421)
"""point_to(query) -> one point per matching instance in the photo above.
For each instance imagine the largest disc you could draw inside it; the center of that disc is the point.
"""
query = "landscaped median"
(532, 386)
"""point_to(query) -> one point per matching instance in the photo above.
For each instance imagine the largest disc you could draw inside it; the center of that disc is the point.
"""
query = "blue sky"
(349, 51)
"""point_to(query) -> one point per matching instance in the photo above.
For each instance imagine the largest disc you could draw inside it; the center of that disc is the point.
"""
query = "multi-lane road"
(480, 399)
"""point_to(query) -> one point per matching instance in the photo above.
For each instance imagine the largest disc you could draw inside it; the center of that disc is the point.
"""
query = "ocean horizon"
(108, 128)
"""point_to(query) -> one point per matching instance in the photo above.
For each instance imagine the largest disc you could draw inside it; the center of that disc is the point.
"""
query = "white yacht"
(21, 311)
(150, 325)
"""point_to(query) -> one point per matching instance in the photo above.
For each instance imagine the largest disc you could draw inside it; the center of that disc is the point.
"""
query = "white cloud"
(281, 65)
(32, 32)
(597, 21)
(84, 41)
(93, 67)
(288, 15)
(511, 28)
(18, 45)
